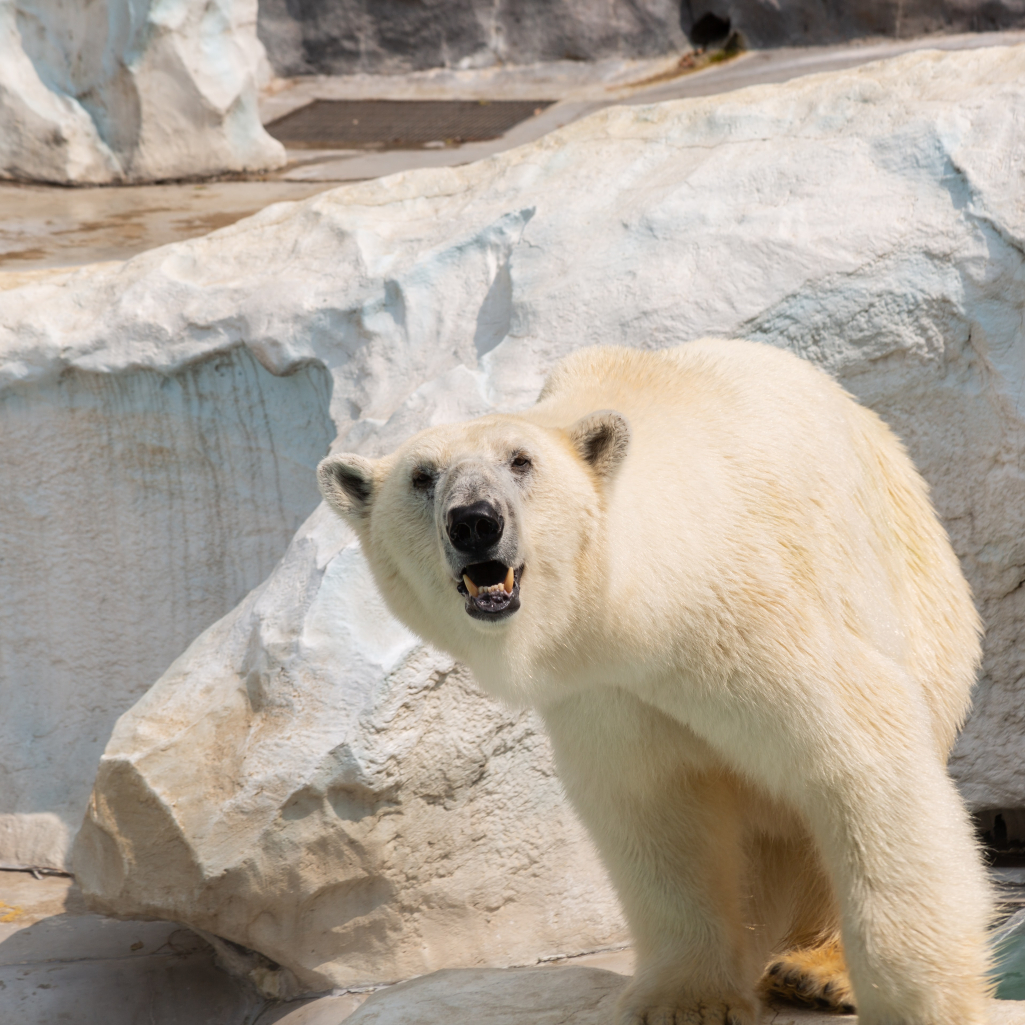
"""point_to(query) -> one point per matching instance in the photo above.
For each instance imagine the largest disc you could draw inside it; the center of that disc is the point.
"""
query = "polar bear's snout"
(481, 543)
(475, 528)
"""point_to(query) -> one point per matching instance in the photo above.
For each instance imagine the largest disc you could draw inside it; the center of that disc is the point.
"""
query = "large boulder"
(308, 780)
(376, 817)
(120, 91)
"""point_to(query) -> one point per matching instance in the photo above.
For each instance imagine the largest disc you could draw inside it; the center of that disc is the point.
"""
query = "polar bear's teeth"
(505, 587)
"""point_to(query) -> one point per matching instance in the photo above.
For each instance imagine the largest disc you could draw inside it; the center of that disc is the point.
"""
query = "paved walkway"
(44, 227)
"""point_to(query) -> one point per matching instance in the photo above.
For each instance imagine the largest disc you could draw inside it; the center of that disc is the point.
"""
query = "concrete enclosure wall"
(332, 37)
(338, 37)
(800, 22)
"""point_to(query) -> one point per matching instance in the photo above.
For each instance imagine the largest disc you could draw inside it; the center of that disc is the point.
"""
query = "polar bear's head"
(482, 530)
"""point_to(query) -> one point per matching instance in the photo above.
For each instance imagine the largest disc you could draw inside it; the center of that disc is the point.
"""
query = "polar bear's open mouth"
(491, 589)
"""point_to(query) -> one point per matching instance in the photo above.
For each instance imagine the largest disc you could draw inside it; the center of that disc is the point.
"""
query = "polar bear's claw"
(816, 977)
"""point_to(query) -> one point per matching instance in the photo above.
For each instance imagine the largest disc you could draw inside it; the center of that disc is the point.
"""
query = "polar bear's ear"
(601, 439)
(347, 483)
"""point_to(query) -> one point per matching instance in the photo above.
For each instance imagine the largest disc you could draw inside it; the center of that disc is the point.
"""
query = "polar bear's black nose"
(474, 528)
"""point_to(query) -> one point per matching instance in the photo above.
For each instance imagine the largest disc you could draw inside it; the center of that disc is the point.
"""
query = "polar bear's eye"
(520, 462)
(422, 479)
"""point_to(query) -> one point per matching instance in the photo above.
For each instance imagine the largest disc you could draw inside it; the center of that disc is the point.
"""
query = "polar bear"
(721, 583)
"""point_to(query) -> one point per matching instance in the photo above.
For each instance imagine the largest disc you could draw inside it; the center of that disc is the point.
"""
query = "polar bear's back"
(754, 483)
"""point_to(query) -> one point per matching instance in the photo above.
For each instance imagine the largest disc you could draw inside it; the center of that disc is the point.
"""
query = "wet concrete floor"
(49, 226)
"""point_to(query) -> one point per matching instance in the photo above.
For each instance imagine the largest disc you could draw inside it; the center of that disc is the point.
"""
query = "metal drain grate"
(399, 124)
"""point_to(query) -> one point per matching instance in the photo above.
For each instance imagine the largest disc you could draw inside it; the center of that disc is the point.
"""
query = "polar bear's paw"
(686, 1010)
(814, 977)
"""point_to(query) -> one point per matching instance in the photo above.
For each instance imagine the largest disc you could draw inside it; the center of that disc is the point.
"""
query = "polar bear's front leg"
(855, 755)
(914, 900)
(663, 816)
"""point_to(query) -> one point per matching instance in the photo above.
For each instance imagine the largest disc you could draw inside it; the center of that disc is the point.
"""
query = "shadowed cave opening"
(709, 29)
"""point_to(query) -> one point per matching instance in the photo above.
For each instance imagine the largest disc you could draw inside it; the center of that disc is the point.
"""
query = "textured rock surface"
(799, 22)
(307, 780)
(392, 35)
(402, 820)
(339, 37)
(139, 506)
(121, 91)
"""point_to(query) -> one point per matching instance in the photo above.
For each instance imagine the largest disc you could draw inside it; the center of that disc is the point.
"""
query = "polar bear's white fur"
(721, 582)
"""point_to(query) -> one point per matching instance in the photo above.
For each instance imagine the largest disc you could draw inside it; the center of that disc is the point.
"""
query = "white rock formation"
(121, 91)
(407, 822)
(307, 780)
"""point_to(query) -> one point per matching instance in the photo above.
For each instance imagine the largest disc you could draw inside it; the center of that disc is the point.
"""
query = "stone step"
(545, 996)
(61, 964)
